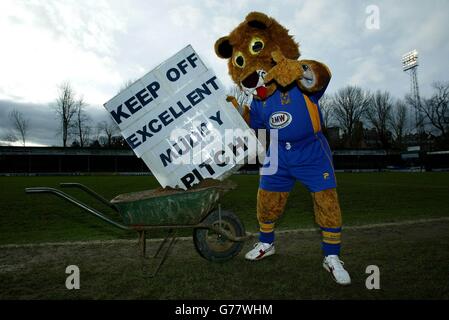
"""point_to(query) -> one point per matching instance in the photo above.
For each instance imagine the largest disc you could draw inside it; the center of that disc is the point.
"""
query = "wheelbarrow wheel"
(215, 247)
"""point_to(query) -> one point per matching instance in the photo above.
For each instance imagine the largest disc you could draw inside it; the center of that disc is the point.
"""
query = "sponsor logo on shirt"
(281, 119)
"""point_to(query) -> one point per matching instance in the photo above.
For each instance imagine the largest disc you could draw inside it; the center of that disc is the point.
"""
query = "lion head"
(249, 49)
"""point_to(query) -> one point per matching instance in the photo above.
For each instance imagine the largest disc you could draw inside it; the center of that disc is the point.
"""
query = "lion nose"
(251, 80)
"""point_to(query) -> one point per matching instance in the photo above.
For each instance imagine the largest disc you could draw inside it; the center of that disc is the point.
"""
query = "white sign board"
(177, 120)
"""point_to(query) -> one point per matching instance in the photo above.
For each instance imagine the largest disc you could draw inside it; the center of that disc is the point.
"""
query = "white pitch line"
(129, 241)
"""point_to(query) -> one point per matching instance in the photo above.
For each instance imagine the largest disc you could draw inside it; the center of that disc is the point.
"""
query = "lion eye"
(239, 60)
(256, 45)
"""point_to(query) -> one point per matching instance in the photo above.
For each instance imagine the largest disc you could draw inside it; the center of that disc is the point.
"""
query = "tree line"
(351, 110)
(393, 121)
(75, 127)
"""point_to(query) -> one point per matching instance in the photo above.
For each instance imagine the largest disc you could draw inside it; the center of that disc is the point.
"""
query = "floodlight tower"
(410, 65)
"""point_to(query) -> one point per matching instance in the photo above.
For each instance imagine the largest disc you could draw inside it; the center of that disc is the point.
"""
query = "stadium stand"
(57, 160)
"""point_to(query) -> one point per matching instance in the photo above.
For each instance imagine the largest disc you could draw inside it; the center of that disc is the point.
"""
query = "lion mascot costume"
(263, 61)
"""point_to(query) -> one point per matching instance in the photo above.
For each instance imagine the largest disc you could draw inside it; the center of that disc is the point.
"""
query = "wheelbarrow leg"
(166, 252)
(164, 256)
(143, 243)
(159, 249)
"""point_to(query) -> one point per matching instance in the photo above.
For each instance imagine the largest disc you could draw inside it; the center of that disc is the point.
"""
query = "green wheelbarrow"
(218, 235)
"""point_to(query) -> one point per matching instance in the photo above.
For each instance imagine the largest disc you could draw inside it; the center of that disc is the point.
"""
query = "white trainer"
(261, 250)
(334, 266)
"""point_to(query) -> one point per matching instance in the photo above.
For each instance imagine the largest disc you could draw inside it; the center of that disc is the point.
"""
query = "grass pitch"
(413, 258)
(365, 198)
(413, 262)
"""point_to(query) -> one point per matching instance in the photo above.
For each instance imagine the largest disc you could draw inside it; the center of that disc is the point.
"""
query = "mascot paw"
(231, 99)
(286, 71)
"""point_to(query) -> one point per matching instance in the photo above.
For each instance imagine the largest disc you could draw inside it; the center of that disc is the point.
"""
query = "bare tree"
(350, 104)
(82, 127)
(378, 114)
(65, 109)
(398, 121)
(20, 125)
(326, 108)
(110, 129)
(8, 138)
(436, 109)
(96, 133)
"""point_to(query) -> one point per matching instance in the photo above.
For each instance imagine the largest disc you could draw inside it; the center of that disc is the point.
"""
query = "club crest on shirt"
(280, 119)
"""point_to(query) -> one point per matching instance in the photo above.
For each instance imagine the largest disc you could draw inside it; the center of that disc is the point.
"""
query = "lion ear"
(223, 48)
(258, 20)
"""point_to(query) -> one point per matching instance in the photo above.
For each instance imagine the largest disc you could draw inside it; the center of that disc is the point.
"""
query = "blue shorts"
(308, 160)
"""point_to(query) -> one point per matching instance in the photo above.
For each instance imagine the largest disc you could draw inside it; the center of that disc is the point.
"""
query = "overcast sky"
(99, 45)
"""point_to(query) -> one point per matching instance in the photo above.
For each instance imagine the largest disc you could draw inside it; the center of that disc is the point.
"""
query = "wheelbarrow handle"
(77, 203)
(90, 192)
